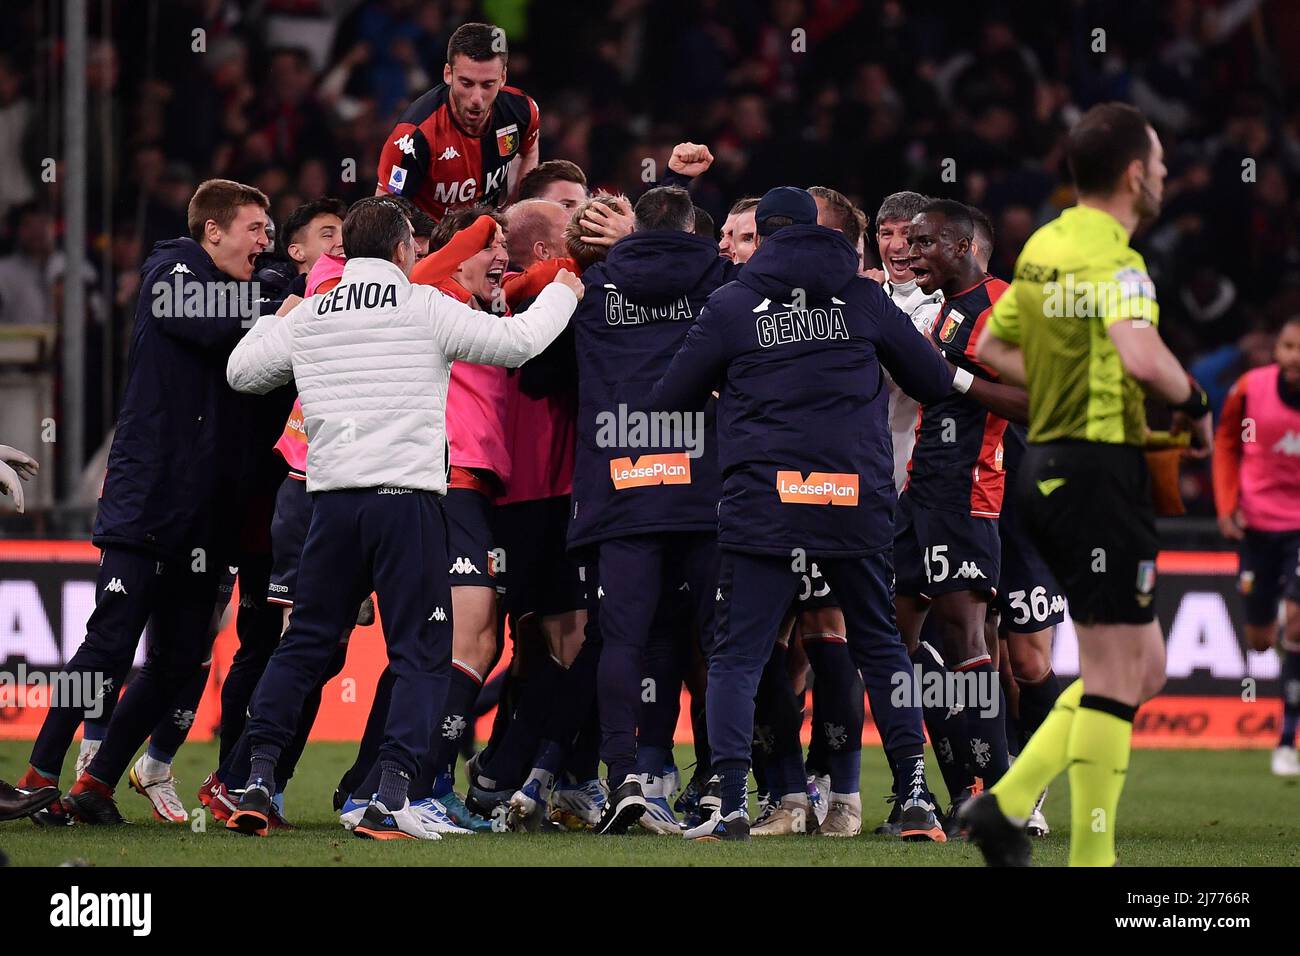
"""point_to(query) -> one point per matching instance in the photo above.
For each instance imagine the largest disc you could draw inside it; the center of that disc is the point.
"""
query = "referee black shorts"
(1087, 507)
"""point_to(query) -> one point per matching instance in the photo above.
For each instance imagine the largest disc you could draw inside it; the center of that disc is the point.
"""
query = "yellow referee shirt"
(1075, 277)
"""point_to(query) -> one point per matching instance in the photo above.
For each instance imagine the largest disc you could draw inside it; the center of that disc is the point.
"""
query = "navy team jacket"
(798, 341)
(177, 443)
(640, 303)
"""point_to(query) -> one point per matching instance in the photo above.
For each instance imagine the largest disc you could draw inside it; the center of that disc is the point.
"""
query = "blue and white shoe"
(577, 806)
(732, 827)
(352, 812)
(435, 817)
(658, 817)
(527, 810)
(461, 815)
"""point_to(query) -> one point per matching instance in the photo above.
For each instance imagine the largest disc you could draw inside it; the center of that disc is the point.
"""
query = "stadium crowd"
(610, 557)
(879, 95)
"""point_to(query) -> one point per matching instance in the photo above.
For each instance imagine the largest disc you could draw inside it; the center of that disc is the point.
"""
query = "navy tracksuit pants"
(390, 541)
(636, 577)
(755, 593)
(134, 587)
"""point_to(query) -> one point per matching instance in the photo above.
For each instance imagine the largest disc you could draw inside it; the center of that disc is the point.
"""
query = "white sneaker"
(1285, 762)
(789, 816)
(581, 803)
(1036, 825)
(435, 817)
(160, 790)
(844, 816)
(659, 817)
(380, 823)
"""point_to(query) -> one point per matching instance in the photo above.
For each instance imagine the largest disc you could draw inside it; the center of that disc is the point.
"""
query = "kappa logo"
(668, 469)
(450, 153)
(406, 144)
(181, 268)
(968, 569)
(719, 595)
(1288, 444)
(819, 488)
(438, 614)
(464, 566)
(115, 586)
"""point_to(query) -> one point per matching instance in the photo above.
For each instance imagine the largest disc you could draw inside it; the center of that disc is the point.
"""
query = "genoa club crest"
(508, 139)
(950, 326)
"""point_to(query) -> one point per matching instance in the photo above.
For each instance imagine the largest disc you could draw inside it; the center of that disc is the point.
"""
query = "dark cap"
(789, 201)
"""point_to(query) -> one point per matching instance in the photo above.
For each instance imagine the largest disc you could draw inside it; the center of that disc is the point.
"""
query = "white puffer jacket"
(371, 359)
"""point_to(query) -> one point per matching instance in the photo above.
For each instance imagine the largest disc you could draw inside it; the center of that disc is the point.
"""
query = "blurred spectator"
(17, 162)
(26, 282)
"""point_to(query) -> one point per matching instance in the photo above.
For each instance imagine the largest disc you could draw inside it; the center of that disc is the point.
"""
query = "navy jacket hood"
(660, 265)
(813, 258)
(639, 305)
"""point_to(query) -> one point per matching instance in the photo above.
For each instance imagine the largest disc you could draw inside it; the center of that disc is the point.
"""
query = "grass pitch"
(1180, 807)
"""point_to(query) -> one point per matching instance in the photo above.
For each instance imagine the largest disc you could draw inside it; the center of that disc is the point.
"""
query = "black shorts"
(1270, 569)
(470, 541)
(815, 591)
(540, 575)
(1029, 599)
(939, 552)
(293, 507)
(1087, 508)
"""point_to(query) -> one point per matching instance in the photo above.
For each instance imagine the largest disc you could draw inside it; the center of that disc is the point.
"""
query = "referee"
(1078, 326)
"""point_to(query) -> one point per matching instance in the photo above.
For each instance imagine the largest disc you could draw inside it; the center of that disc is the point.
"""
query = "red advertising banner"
(1219, 694)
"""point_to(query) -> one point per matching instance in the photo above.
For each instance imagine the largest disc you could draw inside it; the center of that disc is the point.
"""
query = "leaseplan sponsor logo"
(78, 909)
(819, 488)
(671, 469)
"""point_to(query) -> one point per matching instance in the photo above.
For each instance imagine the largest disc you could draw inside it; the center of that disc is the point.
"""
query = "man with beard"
(1084, 488)
(470, 139)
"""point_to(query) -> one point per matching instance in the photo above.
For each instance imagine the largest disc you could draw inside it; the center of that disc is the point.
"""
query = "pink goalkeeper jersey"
(540, 436)
(1270, 465)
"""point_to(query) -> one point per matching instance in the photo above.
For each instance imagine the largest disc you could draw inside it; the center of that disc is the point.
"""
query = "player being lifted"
(1256, 487)
(470, 139)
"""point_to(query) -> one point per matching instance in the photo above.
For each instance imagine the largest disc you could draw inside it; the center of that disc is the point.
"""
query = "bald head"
(535, 231)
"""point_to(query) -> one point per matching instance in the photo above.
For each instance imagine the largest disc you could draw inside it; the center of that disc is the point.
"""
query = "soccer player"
(162, 522)
(797, 343)
(557, 180)
(738, 231)
(376, 464)
(947, 554)
(1029, 604)
(470, 139)
(1256, 488)
(1084, 488)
